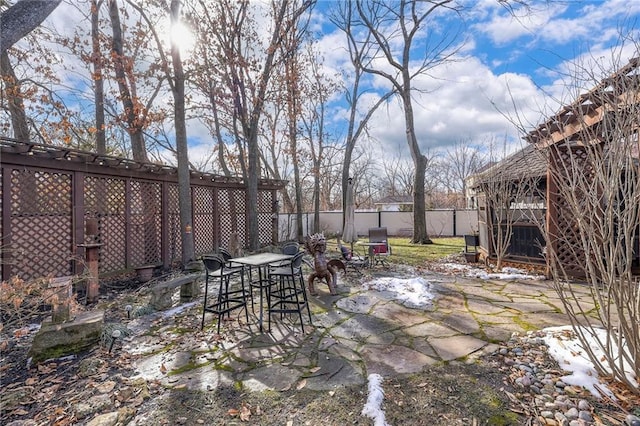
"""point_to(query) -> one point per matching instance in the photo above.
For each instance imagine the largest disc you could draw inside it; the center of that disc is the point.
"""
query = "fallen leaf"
(21, 332)
(163, 369)
(302, 384)
(421, 385)
(233, 412)
(314, 369)
(136, 402)
(45, 369)
(31, 381)
(331, 393)
(245, 413)
(106, 387)
(19, 412)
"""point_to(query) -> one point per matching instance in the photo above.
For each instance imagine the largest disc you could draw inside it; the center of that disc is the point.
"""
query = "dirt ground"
(52, 393)
(452, 395)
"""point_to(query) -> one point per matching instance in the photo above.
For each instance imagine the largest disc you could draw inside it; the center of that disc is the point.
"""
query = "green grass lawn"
(416, 254)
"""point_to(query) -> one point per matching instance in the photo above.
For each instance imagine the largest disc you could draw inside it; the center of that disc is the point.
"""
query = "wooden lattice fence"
(48, 196)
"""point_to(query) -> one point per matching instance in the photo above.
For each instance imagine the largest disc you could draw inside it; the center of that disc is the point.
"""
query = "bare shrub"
(23, 301)
(593, 221)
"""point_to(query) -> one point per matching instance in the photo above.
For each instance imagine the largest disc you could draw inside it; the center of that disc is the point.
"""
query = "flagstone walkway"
(354, 334)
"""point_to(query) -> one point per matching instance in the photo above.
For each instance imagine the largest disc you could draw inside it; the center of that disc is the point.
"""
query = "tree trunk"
(293, 92)
(22, 18)
(216, 123)
(420, 235)
(101, 143)
(316, 194)
(184, 186)
(252, 139)
(134, 129)
(14, 95)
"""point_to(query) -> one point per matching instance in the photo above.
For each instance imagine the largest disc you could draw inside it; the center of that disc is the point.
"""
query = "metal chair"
(352, 258)
(228, 259)
(291, 247)
(382, 251)
(228, 298)
(471, 243)
(287, 293)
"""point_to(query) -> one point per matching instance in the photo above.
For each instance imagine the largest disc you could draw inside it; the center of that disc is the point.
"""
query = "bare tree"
(460, 161)
(396, 28)
(397, 175)
(359, 114)
(316, 90)
(32, 84)
(293, 67)
(508, 188)
(133, 111)
(246, 73)
(593, 218)
(224, 30)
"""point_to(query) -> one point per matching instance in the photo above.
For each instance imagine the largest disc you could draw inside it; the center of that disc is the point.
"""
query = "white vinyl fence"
(440, 223)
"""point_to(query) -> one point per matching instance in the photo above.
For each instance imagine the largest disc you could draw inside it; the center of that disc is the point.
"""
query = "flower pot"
(144, 273)
(471, 257)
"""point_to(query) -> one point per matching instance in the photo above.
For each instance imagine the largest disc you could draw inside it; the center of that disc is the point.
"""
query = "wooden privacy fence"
(55, 200)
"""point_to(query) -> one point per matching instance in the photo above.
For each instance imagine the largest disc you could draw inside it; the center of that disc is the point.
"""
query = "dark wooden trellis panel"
(204, 219)
(105, 201)
(145, 222)
(563, 233)
(40, 221)
(230, 202)
(173, 253)
(48, 194)
(266, 207)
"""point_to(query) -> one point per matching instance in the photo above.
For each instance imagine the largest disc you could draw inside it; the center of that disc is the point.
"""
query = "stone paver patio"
(354, 334)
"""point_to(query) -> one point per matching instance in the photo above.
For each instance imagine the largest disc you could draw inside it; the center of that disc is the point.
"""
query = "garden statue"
(316, 245)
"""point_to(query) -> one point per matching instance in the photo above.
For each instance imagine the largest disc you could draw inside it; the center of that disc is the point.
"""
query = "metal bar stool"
(229, 298)
(287, 293)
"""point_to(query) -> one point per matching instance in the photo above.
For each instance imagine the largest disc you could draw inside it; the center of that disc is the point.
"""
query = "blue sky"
(518, 63)
(537, 41)
(514, 65)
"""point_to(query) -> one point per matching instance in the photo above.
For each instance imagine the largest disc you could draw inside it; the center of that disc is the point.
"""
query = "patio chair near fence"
(382, 251)
(352, 259)
(229, 296)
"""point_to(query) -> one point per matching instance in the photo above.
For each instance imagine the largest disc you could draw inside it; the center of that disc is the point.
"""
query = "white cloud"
(463, 100)
(508, 25)
(557, 22)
